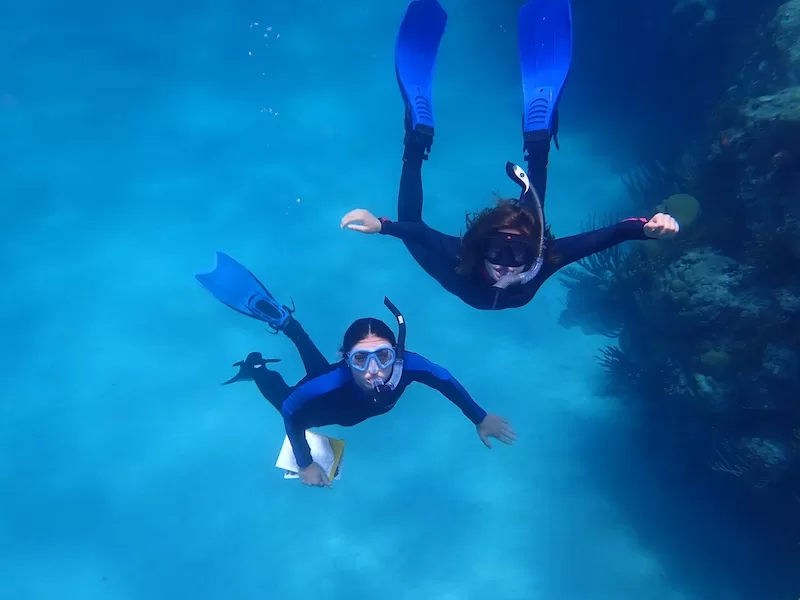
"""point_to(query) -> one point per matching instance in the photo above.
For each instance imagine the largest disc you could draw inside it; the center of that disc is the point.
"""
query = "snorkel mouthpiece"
(378, 385)
(527, 196)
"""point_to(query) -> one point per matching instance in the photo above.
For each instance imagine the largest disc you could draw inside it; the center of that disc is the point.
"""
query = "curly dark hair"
(506, 214)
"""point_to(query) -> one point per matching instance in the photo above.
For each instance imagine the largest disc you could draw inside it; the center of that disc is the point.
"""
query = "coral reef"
(708, 325)
(758, 461)
(601, 289)
(699, 337)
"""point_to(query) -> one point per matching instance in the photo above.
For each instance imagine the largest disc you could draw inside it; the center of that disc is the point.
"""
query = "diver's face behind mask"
(370, 360)
(507, 252)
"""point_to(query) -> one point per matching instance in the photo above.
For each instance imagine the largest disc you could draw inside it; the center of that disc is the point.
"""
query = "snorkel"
(527, 196)
(378, 385)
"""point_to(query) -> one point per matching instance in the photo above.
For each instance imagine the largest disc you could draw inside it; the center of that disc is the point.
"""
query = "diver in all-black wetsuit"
(500, 241)
(368, 381)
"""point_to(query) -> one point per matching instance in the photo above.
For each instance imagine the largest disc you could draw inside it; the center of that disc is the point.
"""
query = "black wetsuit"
(328, 395)
(438, 253)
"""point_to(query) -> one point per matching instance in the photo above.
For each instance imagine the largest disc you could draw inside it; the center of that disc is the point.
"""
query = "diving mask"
(528, 196)
(509, 250)
(372, 360)
(383, 357)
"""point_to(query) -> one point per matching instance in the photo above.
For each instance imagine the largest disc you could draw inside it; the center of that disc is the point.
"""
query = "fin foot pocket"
(538, 117)
(417, 143)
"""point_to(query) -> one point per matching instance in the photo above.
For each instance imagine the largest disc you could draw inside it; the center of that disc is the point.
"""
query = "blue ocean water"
(135, 140)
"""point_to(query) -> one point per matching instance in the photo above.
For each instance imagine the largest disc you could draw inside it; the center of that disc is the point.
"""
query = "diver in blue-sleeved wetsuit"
(336, 398)
(369, 380)
(507, 251)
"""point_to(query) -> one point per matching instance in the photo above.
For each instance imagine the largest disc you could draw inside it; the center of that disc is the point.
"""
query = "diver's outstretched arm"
(415, 234)
(436, 252)
(440, 379)
(419, 234)
(564, 251)
(569, 249)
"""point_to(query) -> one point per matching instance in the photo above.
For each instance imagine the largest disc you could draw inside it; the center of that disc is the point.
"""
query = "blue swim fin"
(235, 286)
(415, 57)
(545, 50)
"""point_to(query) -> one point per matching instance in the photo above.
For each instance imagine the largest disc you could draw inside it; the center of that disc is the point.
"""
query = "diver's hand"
(361, 220)
(661, 227)
(314, 475)
(493, 426)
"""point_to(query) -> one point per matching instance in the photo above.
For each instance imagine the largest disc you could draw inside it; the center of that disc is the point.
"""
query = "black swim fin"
(253, 361)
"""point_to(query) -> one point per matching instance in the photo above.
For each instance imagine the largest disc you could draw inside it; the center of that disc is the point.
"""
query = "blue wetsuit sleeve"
(295, 430)
(575, 247)
(424, 371)
(296, 422)
(419, 233)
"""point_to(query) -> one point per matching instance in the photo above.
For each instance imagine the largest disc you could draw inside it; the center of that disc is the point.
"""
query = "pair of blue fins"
(544, 31)
(545, 51)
